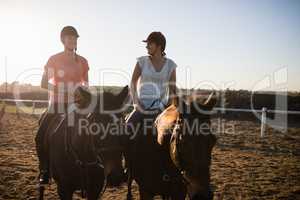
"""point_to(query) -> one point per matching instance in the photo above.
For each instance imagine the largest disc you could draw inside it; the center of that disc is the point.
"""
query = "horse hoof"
(129, 197)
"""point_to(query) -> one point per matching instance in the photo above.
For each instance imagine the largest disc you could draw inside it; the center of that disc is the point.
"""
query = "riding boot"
(41, 152)
(43, 164)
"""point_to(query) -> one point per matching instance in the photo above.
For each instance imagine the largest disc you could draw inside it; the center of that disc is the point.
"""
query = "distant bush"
(233, 98)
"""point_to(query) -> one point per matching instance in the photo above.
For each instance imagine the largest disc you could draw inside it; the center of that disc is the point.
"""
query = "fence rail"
(263, 111)
(24, 100)
(293, 112)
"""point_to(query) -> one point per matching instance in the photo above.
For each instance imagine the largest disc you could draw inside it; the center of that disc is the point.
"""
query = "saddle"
(50, 123)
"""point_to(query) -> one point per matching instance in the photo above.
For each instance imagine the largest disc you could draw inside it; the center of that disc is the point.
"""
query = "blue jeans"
(136, 119)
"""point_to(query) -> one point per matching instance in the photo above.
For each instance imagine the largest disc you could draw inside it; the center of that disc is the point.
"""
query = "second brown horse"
(171, 157)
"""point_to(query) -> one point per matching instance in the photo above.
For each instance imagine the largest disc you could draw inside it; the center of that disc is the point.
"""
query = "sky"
(217, 44)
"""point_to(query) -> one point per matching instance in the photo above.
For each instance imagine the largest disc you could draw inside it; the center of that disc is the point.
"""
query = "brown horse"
(176, 160)
(151, 167)
(83, 157)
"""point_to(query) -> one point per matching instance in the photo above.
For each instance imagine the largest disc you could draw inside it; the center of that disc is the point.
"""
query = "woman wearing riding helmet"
(63, 72)
(153, 84)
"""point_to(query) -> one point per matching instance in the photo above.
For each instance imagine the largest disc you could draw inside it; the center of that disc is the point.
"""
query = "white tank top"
(153, 88)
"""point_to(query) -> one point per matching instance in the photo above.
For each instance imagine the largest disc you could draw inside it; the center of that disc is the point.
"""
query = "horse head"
(190, 142)
(102, 125)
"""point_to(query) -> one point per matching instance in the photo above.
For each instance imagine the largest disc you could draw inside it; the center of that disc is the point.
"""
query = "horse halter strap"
(178, 131)
(178, 127)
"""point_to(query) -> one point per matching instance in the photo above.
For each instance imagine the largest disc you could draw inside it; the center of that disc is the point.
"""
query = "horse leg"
(145, 195)
(129, 184)
(93, 194)
(95, 190)
(128, 159)
(178, 192)
(178, 196)
(64, 193)
(41, 192)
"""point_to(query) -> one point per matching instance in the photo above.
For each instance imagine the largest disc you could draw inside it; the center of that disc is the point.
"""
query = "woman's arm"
(133, 86)
(86, 80)
(172, 87)
(85, 75)
(49, 70)
(45, 82)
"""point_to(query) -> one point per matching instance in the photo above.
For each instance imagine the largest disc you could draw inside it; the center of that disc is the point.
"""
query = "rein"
(178, 131)
(178, 127)
(83, 165)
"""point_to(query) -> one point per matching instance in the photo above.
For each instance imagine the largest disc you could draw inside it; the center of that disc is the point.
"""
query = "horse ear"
(175, 101)
(210, 101)
(183, 106)
(123, 94)
(82, 95)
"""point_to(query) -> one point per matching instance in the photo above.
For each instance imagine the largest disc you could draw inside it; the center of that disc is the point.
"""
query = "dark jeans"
(137, 119)
(40, 140)
(134, 122)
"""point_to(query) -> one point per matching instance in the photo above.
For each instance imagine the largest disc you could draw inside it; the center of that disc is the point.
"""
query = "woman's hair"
(70, 30)
(159, 39)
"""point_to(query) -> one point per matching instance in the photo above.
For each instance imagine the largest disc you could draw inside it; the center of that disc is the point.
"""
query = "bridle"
(178, 135)
(97, 152)
(159, 101)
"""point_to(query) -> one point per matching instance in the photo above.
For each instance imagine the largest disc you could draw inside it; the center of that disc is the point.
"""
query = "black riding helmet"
(68, 30)
(158, 38)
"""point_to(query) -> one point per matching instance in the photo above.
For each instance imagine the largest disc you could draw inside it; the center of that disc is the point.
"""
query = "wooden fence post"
(17, 110)
(2, 112)
(33, 107)
(263, 121)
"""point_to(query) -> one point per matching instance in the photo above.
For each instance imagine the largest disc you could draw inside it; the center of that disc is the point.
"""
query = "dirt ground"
(244, 166)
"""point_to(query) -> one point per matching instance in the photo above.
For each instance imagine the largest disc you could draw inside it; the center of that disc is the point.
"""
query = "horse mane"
(189, 101)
